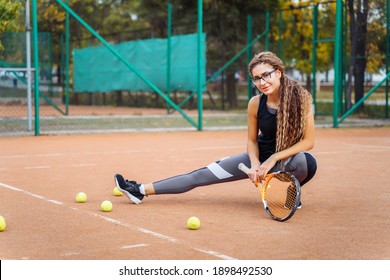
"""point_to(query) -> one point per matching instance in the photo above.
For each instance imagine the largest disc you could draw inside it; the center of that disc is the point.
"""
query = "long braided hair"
(294, 106)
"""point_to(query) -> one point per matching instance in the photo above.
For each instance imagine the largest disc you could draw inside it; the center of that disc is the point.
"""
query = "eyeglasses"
(265, 77)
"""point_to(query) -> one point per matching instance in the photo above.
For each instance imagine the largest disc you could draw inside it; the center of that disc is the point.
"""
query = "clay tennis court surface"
(345, 212)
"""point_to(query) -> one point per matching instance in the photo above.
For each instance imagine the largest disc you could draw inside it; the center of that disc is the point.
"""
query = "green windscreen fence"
(97, 70)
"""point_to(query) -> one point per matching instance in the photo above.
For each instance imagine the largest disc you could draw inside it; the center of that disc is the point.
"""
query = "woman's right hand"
(254, 175)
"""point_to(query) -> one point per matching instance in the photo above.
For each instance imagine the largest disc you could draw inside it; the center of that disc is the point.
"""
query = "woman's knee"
(311, 167)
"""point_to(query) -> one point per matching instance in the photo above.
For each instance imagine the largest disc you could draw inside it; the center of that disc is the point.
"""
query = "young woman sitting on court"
(280, 132)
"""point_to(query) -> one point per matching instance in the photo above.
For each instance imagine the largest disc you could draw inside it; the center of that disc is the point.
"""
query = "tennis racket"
(280, 193)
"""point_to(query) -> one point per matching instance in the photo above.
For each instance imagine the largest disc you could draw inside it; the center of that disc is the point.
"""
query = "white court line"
(14, 156)
(208, 148)
(333, 152)
(35, 155)
(117, 222)
(55, 201)
(70, 254)
(37, 167)
(83, 165)
(133, 246)
(121, 152)
(31, 194)
(48, 166)
(352, 151)
(54, 155)
(368, 146)
(215, 254)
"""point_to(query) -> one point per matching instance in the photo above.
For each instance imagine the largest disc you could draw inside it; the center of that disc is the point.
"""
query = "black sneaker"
(290, 197)
(129, 188)
(289, 206)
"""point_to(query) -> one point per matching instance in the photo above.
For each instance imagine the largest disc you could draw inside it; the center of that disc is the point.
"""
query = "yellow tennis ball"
(193, 223)
(106, 206)
(3, 225)
(117, 192)
(81, 197)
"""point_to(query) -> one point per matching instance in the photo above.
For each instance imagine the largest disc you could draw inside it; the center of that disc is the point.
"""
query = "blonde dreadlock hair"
(294, 107)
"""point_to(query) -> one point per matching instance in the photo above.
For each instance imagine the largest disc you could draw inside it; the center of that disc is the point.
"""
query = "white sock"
(142, 189)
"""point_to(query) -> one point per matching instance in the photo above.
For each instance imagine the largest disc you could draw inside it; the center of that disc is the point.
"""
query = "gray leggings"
(302, 165)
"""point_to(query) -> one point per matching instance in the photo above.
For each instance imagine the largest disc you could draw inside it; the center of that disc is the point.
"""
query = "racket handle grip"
(243, 168)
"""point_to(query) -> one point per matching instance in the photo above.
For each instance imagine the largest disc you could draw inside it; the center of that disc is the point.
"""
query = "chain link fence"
(226, 93)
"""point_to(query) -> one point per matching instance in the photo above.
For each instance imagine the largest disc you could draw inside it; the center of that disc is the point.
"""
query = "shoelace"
(131, 182)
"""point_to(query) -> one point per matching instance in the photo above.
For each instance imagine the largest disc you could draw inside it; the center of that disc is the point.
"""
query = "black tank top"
(266, 122)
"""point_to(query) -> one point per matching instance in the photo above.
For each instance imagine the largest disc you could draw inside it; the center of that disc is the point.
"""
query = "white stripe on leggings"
(218, 171)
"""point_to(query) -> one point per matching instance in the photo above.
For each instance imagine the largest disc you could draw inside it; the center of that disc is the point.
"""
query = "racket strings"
(291, 196)
(279, 195)
(284, 177)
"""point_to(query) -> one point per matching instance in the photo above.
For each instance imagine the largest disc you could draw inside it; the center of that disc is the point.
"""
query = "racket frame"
(263, 190)
(263, 193)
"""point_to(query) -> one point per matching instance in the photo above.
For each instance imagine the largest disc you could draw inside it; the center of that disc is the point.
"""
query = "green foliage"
(225, 23)
(51, 17)
(123, 16)
(297, 34)
(9, 13)
(376, 36)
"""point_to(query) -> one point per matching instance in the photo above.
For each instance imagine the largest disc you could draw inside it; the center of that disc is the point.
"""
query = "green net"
(14, 50)
(15, 114)
(96, 69)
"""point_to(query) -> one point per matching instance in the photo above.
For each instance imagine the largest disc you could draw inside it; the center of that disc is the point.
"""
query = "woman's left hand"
(265, 167)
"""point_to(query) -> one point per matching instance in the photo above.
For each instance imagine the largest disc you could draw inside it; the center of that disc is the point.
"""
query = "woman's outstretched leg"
(224, 170)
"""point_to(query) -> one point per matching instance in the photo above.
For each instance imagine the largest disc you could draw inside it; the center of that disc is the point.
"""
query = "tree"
(297, 36)
(326, 22)
(107, 17)
(9, 14)
(124, 23)
(298, 32)
(50, 25)
(358, 12)
(225, 23)
(376, 37)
